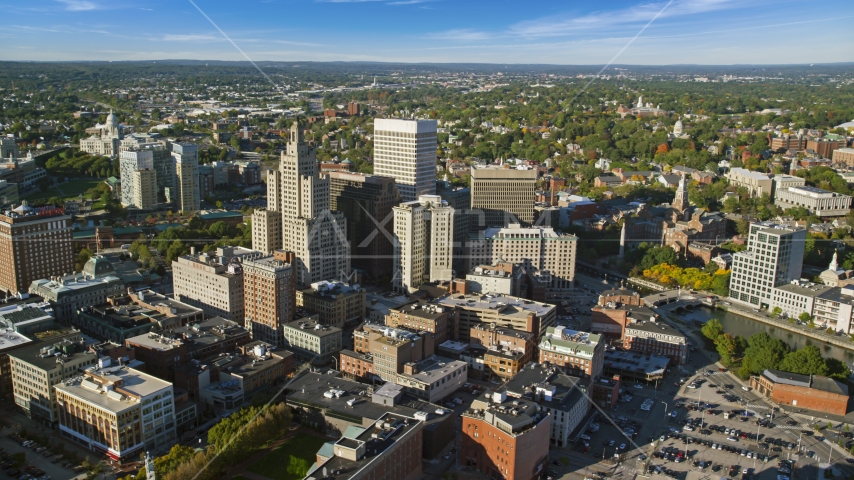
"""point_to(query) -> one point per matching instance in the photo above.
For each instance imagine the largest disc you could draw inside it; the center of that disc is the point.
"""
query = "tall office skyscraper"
(133, 190)
(774, 257)
(406, 151)
(316, 235)
(505, 195)
(366, 201)
(424, 236)
(185, 157)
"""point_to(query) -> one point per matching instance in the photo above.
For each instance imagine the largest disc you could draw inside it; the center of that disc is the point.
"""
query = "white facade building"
(819, 202)
(774, 256)
(423, 248)
(406, 151)
(133, 186)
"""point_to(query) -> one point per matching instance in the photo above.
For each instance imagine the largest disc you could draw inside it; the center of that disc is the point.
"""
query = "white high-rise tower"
(406, 151)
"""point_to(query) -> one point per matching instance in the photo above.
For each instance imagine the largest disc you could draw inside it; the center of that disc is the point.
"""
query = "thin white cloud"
(167, 37)
(568, 25)
(299, 44)
(465, 34)
(79, 5)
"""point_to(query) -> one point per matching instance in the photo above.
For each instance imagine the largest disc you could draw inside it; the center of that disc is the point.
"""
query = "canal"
(738, 325)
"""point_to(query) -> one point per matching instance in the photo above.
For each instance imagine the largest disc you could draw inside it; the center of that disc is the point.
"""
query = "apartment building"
(212, 281)
(565, 398)
(424, 316)
(550, 253)
(337, 304)
(266, 231)
(406, 151)
(144, 189)
(269, 295)
(789, 142)
(37, 368)
(505, 351)
(389, 448)
(773, 258)
(366, 202)
(117, 411)
(424, 233)
(35, 242)
(577, 353)
(317, 342)
(658, 338)
(824, 147)
(513, 312)
(187, 195)
(505, 195)
(504, 438)
(821, 203)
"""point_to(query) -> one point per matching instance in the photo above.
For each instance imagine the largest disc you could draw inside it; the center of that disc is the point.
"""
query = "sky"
(565, 32)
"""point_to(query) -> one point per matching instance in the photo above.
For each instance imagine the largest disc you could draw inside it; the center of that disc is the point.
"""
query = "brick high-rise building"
(269, 295)
(366, 201)
(506, 439)
(35, 243)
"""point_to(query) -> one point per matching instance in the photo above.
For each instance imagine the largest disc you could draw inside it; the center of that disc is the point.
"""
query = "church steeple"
(680, 202)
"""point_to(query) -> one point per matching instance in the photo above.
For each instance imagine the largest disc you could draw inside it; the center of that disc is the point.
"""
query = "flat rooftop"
(312, 327)
(435, 368)
(355, 399)
(129, 386)
(196, 335)
(503, 304)
(635, 362)
(375, 440)
(10, 339)
(566, 340)
(564, 390)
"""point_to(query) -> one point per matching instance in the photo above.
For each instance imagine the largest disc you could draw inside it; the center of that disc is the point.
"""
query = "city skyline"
(712, 32)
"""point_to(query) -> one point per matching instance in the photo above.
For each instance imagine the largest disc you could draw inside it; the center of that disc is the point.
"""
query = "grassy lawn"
(290, 460)
(66, 191)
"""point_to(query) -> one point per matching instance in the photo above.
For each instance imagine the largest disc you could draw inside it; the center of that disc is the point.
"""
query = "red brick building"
(356, 365)
(518, 454)
(812, 392)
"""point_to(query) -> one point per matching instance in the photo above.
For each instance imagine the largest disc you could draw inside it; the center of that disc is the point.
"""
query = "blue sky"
(570, 32)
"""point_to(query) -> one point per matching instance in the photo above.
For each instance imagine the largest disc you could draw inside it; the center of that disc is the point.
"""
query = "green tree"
(83, 256)
(218, 230)
(806, 361)
(804, 317)
(712, 329)
(727, 346)
(776, 311)
(763, 352)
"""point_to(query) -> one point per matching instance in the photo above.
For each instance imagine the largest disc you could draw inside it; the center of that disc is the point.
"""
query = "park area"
(290, 460)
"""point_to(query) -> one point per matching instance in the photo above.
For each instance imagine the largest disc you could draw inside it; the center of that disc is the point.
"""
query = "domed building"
(677, 128)
(107, 143)
(98, 267)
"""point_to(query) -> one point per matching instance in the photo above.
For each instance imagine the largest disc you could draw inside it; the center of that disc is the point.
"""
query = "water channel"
(738, 325)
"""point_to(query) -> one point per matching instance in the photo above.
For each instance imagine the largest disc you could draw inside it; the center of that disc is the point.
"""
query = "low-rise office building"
(818, 202)
(504, 351)
(756, 183)
(424, 316)
(123, 317)
(117, 411)
(812, 392)
(338, 304)
(69, 294)
(657, 338)
(37, 368)
(163, 351)
(314, 341)
(577, 353)
(516, 313)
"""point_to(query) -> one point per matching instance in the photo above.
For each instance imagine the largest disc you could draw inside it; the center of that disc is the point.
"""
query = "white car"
(585, 437)
(732, 439)
(639, 386)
